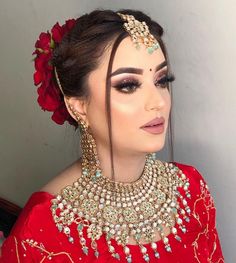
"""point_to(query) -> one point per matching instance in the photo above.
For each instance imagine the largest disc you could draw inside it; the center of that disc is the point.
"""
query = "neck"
(128, 167)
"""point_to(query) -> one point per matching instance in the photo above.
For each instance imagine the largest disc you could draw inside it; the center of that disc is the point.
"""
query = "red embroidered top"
(35, 237)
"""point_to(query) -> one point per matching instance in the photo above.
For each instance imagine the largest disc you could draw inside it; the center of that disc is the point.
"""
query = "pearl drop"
(154, 245)
(165, 240)
(174, 230)
(112, 249)
(127, 250)
(179, 221)
(143, 250)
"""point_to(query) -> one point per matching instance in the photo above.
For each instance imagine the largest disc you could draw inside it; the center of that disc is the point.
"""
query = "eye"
(163, 82)
(127, 86)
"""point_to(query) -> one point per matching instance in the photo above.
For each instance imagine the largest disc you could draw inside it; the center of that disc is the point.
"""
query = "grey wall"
(200, 38)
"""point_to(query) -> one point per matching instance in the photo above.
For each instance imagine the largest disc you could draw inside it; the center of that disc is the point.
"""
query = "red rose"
(60, 115)
(43, 44)
(49, 97)
(42, 67)
(49, 94)
(58, 32)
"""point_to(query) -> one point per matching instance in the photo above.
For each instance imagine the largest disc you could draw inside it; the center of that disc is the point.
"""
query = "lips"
(154, 122)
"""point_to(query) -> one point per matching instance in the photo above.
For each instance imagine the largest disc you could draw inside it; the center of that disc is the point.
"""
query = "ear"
(77, 108)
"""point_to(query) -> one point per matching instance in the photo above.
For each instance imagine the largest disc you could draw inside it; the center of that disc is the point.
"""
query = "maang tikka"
(139, 32)
(97, 205)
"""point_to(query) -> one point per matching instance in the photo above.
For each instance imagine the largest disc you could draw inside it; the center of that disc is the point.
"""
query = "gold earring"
(88, 144)
(81, 122)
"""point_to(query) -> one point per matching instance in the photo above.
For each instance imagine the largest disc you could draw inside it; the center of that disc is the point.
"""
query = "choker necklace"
(124, 210)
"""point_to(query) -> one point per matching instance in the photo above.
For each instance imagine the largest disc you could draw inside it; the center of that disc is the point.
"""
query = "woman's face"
(136, 99)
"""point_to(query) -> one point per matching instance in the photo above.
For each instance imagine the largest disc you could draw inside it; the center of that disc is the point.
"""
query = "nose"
(155, 99)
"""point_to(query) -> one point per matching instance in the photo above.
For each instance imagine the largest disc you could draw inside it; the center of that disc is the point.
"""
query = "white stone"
(126, 250)
(144, 250)
(154, 245)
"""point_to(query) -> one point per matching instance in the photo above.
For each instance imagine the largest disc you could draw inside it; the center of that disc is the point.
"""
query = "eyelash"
(130, 84)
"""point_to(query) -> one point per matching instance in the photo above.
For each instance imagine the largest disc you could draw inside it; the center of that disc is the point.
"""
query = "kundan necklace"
(121, 210)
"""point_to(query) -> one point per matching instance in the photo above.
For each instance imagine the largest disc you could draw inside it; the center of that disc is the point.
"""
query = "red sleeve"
(14, 249)
(214, 247)
(18, 247)
(35, 238)
(204, 212)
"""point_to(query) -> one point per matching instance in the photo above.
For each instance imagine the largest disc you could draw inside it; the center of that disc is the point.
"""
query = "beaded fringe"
(65, 212)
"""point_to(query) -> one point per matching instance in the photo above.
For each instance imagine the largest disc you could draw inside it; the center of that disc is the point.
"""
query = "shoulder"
(34, 235)
(192, 173)
(201, 202)
(35, 220)
(198, 184)
(37, 206)
(66, 177)
(39, 203)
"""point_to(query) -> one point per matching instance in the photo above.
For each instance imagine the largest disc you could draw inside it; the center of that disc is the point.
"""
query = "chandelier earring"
(88, 146)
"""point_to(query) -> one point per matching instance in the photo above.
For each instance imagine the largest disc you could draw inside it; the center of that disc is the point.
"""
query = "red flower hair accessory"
(50, 97)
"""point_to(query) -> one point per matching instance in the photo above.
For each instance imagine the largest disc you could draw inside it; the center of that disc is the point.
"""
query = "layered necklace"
(124, 210)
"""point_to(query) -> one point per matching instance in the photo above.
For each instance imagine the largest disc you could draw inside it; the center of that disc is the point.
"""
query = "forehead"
(127, 55)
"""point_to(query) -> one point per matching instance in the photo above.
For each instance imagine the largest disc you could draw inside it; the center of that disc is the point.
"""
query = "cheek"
(96, 114)
(125, 112)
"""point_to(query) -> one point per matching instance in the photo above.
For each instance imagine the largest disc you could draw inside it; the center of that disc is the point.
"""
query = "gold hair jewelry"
(58, 81)
(81, 123)
(139, 32)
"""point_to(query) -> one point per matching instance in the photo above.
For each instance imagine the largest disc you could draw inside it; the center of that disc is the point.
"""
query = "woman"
(108, 74)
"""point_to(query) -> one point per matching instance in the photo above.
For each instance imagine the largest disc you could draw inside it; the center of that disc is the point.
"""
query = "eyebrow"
(136, 70)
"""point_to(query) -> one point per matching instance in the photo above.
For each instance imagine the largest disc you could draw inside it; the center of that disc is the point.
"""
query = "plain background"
(200, 37)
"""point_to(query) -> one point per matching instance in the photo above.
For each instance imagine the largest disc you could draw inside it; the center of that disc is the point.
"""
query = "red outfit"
(35, 237)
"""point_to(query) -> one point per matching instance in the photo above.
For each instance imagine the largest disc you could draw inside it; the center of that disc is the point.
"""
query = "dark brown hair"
(81, 50)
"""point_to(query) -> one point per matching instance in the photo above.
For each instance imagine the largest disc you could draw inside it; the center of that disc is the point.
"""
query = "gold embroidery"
(42, 259)
(34, 244)
(203, 197)
(214, 249)
(195, 244)
(208, 202)
(17, 252)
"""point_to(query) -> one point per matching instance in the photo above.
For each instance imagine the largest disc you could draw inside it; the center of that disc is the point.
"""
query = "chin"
(155, 147)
